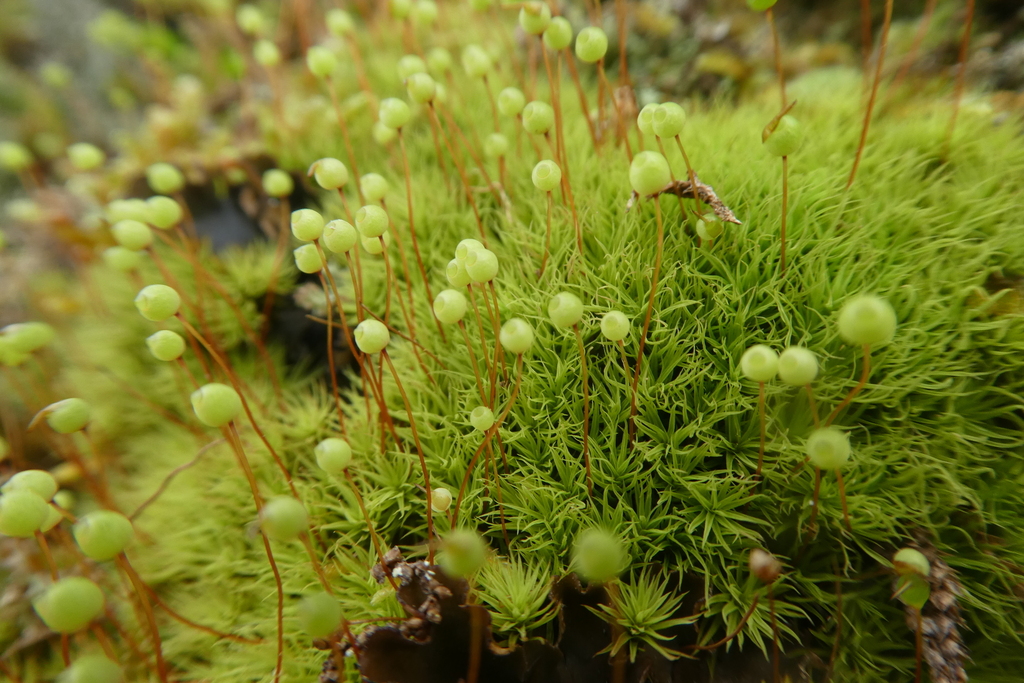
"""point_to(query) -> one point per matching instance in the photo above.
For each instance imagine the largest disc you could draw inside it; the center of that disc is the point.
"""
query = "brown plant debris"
(705, 193)
(944, 650)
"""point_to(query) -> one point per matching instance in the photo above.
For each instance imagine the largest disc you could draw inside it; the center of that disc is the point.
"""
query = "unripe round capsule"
(283, 518)
(28, 336)
(374, 187)
(424, 13)
(496, 145)
(476, 61)
(615, 325)
(546, 175)
(421, 88)
(565, 309)
(333, 455)
(372, 336)
(22, 513)
(439, 61)
(558, 34)
(165, 179)
(649, 173)
(764, 566)
(400, 9)
(163, 212)
(250, 20)
(307, 225)
(102, 534)
(319, 615)
(132, 235)
(70, 605)
(277, 183)
(321, 61)
(511, 102)
(329, 173)
(122, 259)
(409, 65)
(909, 561)
(39, 482)
(482, 418)
(394, 113)
(14, 157)
(383, 135)
(797, 366)
(440, 500)
(373, 245)
(340, 236)
(534, 17)
(340, 23)
(166, 345)
(92, 669)
(482, 265)
(266, 53)
(308, 259)
(157, 302)
(867, 320)
(127, 209)
(371, 221)
(538, 117)
(599, 556)
(67, 416)
(668, 120)
(462, 553)
(645, 119)
(53, 518)
(759, 363)
(216, 404)
(85, 157)
(709, 227)
(516, 336)
(456, 273)
(450, 306)
(761, 5)
(591, 44)
(828, 448)
(464, 248)
(786, 137)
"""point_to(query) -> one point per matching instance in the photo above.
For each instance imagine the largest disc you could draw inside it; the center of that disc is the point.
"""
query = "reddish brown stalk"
(315, 561)
(547, 238)
(777, 48)
(922, 31)
(865, 371)
(586, 410)
(874, 90)
(390, 280)
(632, 399)
(650, 305)
(483, 339)
(582, 94)
(672, 176)
(197, 626)
(344, 133)
(369, 526)
(283, 231)
(739, 627)
(65, 649)
(161, 666)
(461, 171)
(497, 492)
(620, 19)
(170, 477)
(104, 641)
(553, 81)
(474, 156)
(9, 672)
(419, 452)
(160, 410)
(330, 358)
(689, 173)
(760, 410)
(364, 83)
(775, 634)
(472, 360)
(785, 208)
(497, 327)
(475, 636)
(45, 548)
(961, 74)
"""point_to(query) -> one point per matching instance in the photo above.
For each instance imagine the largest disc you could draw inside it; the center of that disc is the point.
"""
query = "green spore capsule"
(546, 175)
(39, 482)
(615, 325)
(308, 259)
(340, 23)
(463, 552)
(14, 157)
(216, 404)
(450, 306)
(759, 363)
(85, 157)
(92, 669)
(333, 455)
(53, 518)
(319, 615)
(374, 187)
(482, 265)
(28, 337)
(798, 366)
(424, 13)
(383, 135)
(511, 102)
(409, 65)
(538, 117)
(516, 336)
(599, 556)
(475, 61)
(456, 273)
(668, 120)
(320, 61)
(761, 5)
(340, 236)
(439, 62)
(394, 113)
(157, 302)
(421, 88)
(163, 212)
(565, 309)
(482, 418)
(373, 245)
(496, 145)
(371, 221)
(786, 137)
(266, 53)
(307, 225)
(164, 178)
(166, 345)
(103, 534)
(400, 9)
(591, 44)
(283, 518)
(709, 228)
(440, 499)
(911, 561)
(329, 173)
(464, 248)
(250, 20)
(127, 209)
(24, 211)
(649, 173)
(867, 320)
(70, 605)
(645, 119)
(22, 513)
(372, 336)
(534, 17)
(828, 448)
(277, 183)
(67, 416)
(558, 34)
(131, 234)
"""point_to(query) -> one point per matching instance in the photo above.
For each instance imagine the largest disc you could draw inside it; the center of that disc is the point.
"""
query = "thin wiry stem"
(547, 237)
(865, 371)
(874, 92)
(650, 304)
(961, 75)
(161, 666)
(586, 409)
(760, 411)
(922, 31)
(369, 525)
(275, 272)
(785, 209)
